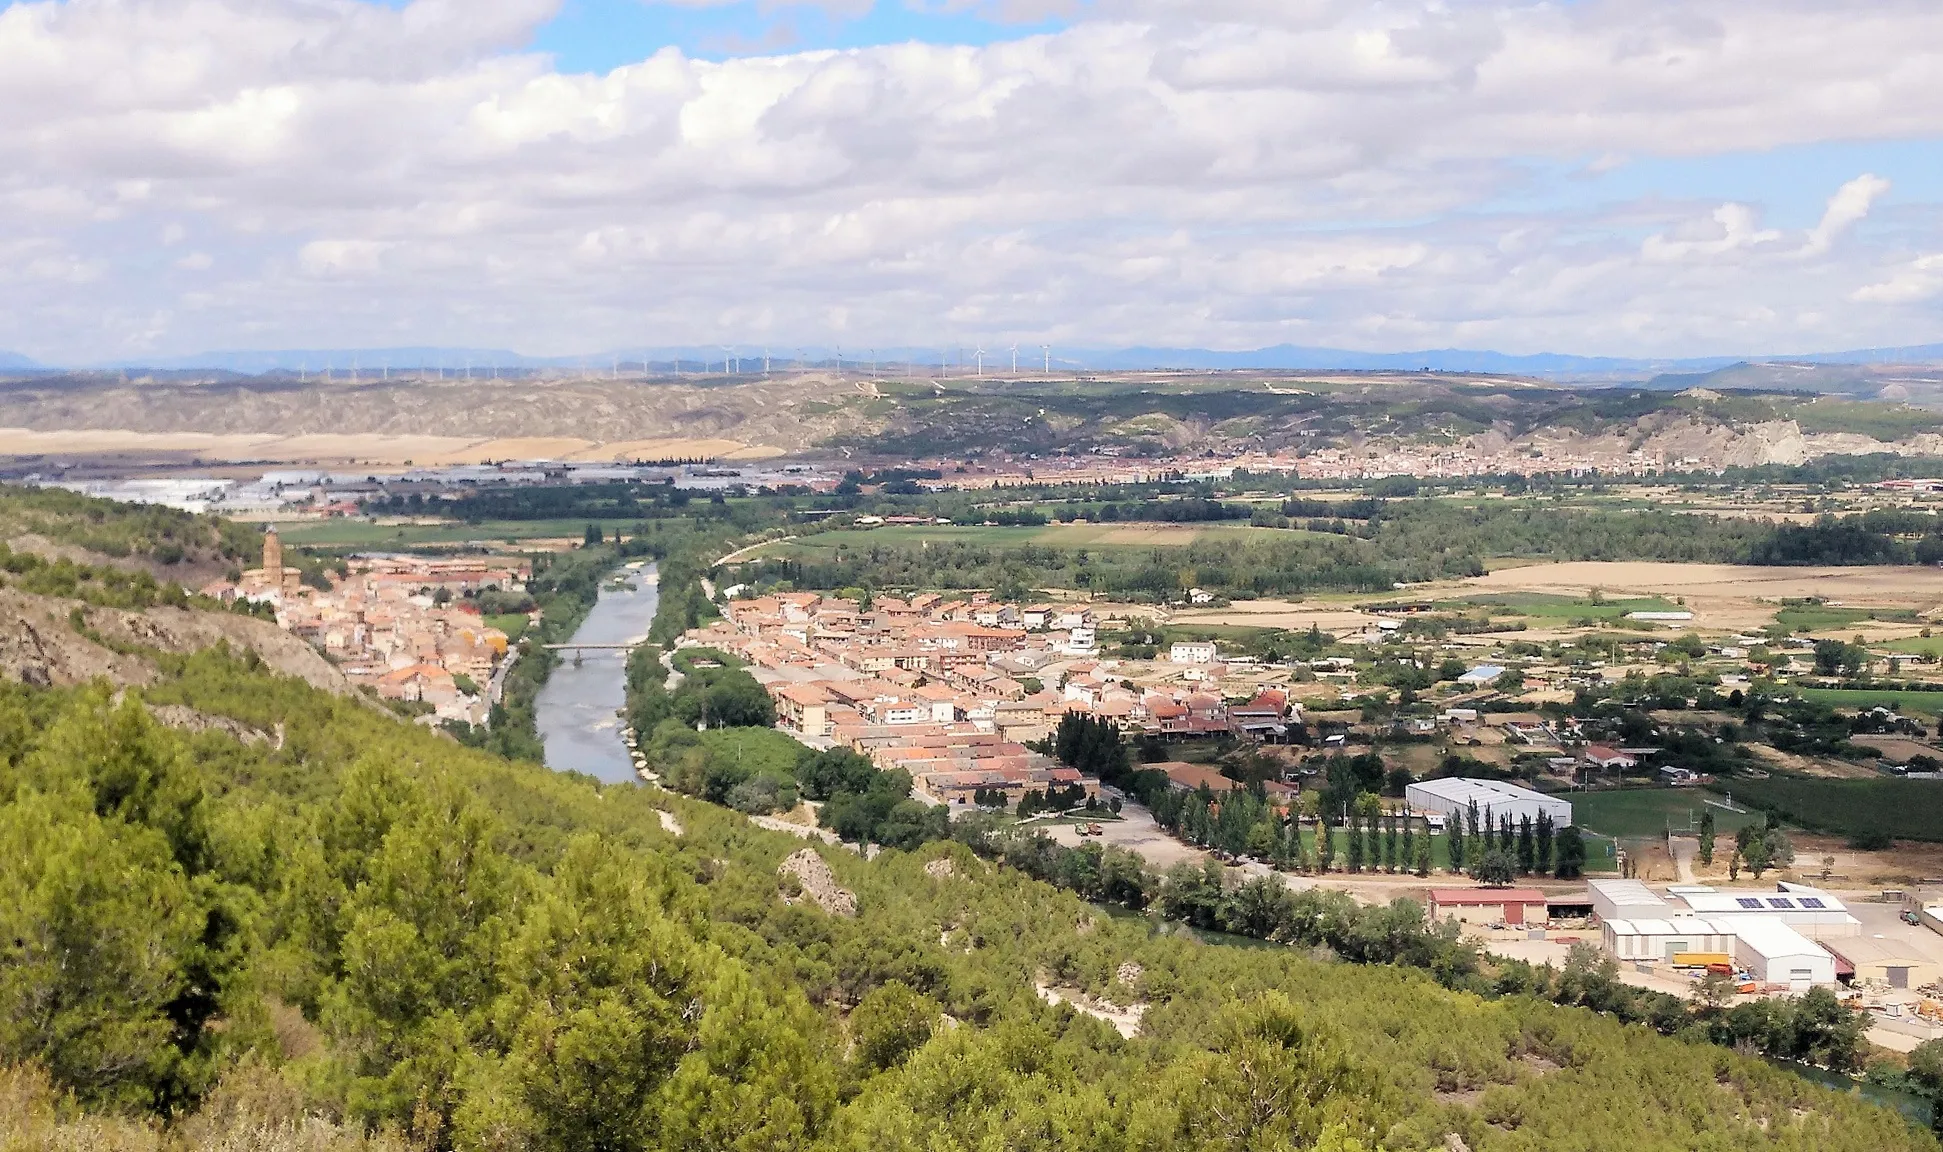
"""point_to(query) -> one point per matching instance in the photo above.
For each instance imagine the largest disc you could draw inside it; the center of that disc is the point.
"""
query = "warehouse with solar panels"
(1809, 911)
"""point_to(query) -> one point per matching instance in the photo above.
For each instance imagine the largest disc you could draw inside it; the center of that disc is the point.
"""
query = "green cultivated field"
(1914, 703)
(1098, 537)
(1819, 617)
(1539, 606)
(1641, 813)
(1907, 809)
(364, 534)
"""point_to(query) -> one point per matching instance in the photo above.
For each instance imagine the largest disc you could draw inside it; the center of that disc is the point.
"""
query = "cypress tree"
(1390, 844)
(1423, 852)
(1527, 846)
(1454, 842)
(1542, 861)
(1355, 843)
(1408, 853)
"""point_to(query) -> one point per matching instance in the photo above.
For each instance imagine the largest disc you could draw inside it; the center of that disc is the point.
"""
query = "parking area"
(1135, 830)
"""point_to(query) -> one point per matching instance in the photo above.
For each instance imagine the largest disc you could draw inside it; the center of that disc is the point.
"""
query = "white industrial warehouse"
(1762, 931)
(1495, 799)
(1774, 953)
(1628, 900)
(1810, 911)
(1662, 940)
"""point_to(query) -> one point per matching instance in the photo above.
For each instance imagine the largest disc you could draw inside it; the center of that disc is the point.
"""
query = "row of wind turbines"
(732, 358)
(730, 364)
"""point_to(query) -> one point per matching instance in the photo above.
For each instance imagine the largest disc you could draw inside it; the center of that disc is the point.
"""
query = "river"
(576, 710)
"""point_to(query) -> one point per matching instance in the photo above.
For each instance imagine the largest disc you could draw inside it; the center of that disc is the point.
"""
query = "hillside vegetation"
(366, 926)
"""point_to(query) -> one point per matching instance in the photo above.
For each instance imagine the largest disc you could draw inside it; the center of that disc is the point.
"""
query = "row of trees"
(1498, 854)
(1815, 1029)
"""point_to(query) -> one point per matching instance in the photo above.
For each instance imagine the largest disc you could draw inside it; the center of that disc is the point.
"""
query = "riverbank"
(577, 711)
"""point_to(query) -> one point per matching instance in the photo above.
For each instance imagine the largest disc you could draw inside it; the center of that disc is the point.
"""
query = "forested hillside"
(372, 926)
(163, 542)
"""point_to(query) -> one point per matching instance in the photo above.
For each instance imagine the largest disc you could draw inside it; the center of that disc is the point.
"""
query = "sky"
(1641, 178)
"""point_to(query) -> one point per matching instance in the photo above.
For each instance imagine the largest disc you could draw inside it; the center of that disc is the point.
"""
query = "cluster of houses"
(399, 624)
(953, 689)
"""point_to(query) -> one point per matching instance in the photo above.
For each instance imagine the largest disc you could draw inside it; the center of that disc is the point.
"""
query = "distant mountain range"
(1680, 371)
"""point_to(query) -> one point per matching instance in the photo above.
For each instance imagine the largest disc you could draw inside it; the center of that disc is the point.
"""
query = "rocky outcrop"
(186, 719)
(183, 630)
(40, 646)
(818, 884)
(48, 641)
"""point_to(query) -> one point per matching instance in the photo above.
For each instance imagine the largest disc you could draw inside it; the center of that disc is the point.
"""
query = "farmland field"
(1818, 617)
(1092, 536)
(1637, 813)
(1906, 809)
(347, 533)
(1918, 703)
(1541, 606)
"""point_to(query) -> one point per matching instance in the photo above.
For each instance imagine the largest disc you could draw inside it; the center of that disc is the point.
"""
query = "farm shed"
(1488, 905)
(1628, 900)
(1494, 799)
(1777, 954)
(1885, 960)
(1658, 941)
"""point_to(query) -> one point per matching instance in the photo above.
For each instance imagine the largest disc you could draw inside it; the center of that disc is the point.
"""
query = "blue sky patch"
(600, 35)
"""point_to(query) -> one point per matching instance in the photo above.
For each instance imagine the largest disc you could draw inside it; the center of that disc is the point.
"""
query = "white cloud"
(1849, 205)
(1734, 230)
(1920, 279)
(1227, 172)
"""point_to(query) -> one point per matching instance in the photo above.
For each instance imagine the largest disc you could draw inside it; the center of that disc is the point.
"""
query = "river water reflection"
(576, 710)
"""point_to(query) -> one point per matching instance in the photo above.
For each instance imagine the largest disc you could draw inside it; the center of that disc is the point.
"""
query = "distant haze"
(371, 362)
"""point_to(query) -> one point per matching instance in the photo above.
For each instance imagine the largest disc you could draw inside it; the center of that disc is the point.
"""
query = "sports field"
(1639, 813)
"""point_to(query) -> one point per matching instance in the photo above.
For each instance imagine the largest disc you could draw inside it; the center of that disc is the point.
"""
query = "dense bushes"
(487, 955)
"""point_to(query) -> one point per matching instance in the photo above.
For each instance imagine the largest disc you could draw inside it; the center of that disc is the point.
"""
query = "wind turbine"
(1047, 349)
(979, 356)
(839, 360)
(765, 361)
(728, 354)
(1015, 358)
(873, 363)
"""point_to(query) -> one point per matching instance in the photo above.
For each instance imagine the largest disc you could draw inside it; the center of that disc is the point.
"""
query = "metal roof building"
(1494, 798)
(1661, 940)
(1777, 954)
(1628, 900)
(1807, 910)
